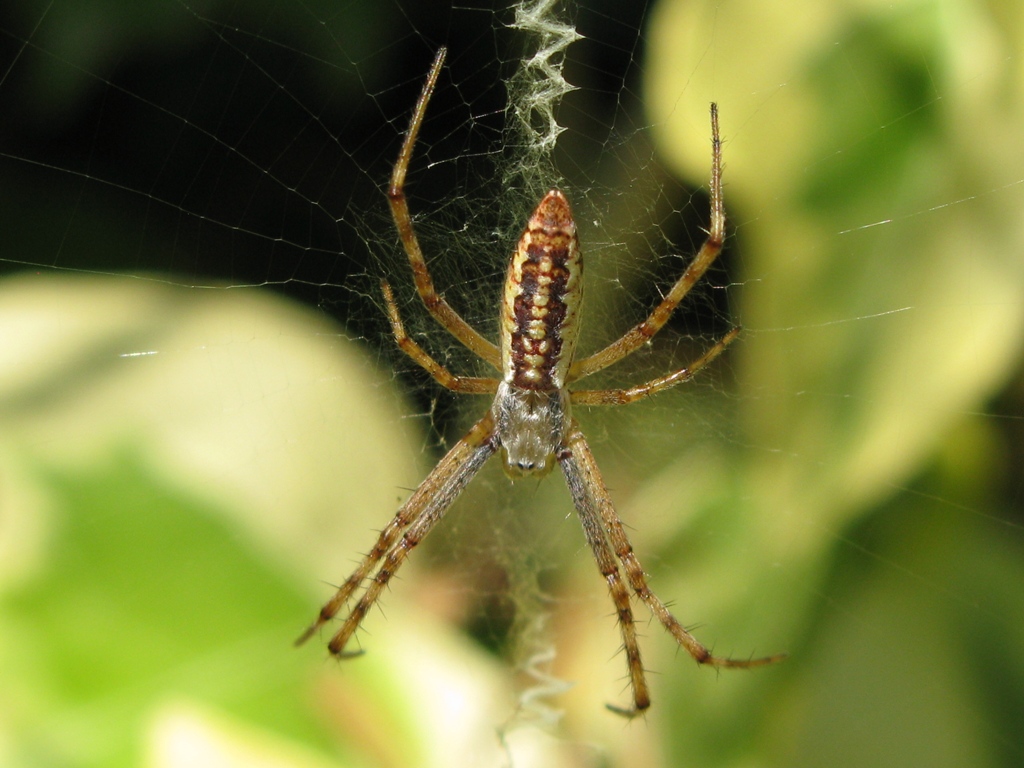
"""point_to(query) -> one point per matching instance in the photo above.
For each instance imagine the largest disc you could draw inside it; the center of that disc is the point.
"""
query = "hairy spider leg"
(407, 528)
(641, 333)
(434, 302)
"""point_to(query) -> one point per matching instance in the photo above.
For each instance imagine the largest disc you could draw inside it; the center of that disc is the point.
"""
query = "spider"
(530, 420)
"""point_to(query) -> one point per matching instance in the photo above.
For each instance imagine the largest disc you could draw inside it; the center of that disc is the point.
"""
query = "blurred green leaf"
(144, 595)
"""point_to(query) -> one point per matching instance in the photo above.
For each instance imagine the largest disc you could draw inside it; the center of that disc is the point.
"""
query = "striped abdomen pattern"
(542, 298)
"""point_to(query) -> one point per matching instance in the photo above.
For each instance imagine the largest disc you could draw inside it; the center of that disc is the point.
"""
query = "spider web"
(193, 232)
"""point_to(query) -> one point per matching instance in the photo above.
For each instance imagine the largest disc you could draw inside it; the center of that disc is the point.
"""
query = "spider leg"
(470, 385)
(593, 501)
(407, 528)
(638, 581)
(641, 333)
(584, 484)
(435, 303)
(631, 395)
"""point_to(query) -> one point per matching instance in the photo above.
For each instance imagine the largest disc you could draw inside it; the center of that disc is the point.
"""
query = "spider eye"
(521, 466)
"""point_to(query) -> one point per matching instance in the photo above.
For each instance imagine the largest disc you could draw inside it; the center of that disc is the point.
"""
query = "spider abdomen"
(541, 300)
